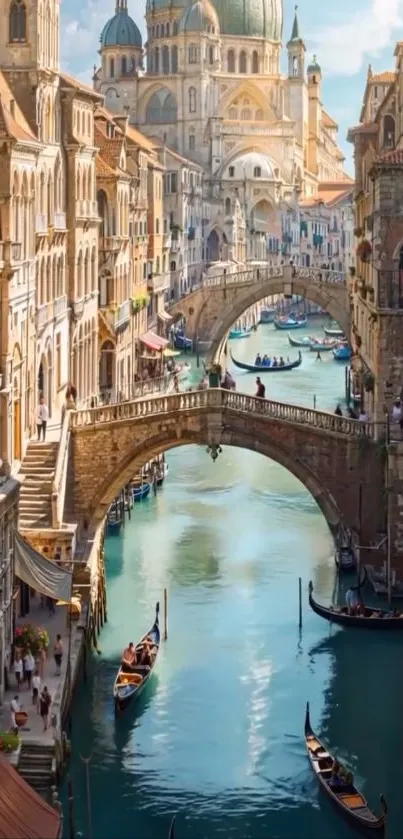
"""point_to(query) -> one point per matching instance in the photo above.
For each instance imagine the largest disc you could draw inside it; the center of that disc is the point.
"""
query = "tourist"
(338, 411)
(42, 416)
(318, 356)
(351, 414)
(397, 411)
(176, 383)
(129, 656)
(45, 702)
(260, 388)
(275, 362)
(71, 393)
(58, 653)
(258, 360)
(351, 601)
(281, 362)
(363, 416)
(29, 666)
(36, 684)
(15, 709)
(18, 668)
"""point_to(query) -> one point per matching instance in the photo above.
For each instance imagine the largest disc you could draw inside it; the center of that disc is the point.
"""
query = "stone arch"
(107, 358)
(250, 91)
(161, 107)
(389, 131)
(103, 212)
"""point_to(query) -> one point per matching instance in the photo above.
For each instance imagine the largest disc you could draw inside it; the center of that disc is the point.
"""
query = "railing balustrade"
(256, 275)
(223, 400)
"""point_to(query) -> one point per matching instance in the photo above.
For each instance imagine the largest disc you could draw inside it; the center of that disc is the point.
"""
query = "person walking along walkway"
(42, 416)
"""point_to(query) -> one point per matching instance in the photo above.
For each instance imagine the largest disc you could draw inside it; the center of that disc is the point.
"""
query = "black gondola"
(343, 794)
(130, 682)
(367, 619)
(261, 368)
(345, 559)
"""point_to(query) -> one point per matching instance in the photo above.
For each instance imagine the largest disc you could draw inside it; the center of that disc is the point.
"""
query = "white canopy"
(41, 574)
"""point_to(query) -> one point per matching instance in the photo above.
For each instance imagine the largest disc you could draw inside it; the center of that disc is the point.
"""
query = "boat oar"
(171, 834)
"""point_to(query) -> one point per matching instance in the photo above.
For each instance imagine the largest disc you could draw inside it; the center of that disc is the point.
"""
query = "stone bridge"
(332, 456)
(216, 305)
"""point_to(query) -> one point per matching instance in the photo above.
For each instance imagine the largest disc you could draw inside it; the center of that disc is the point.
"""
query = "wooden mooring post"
(165, 614)
(300, 601)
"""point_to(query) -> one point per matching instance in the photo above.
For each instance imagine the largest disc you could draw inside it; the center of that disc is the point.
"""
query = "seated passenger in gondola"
(266, 361)
(281, 362)
(258, 360)
(336, 779)
(146, 655)
(275, 362)
(129, 657)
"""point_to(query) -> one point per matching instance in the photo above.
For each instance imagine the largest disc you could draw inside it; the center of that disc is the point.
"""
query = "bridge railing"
(217, 398)
(256, 275)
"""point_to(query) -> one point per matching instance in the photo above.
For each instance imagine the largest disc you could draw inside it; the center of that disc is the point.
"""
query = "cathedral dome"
(199, 17)
(259, 18)
(121, 30)
(252, 165)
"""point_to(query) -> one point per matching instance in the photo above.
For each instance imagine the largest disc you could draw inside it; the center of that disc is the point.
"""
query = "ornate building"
(212, 91)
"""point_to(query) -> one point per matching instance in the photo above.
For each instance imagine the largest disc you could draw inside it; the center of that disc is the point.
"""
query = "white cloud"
(342, 48)
(79, 35)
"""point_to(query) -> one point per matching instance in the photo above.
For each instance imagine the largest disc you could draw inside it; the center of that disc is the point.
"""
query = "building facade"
(210, 88)
(9, 495)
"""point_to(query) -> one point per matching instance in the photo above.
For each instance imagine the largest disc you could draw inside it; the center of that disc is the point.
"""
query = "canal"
(218, 736)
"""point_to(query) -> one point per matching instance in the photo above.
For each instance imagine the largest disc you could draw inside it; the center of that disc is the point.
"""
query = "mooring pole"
(165, 614)
(300, 601)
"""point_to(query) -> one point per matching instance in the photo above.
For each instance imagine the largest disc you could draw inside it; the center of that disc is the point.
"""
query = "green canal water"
(218, 736)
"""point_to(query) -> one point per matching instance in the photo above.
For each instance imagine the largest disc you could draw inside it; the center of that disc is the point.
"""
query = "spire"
(295, 26)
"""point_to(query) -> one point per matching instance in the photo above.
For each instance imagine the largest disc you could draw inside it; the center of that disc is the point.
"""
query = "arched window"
(242, 62)
(165, 60)
(231, 61)
(389, 131)
(174, 60)
(167, 29)
(156, 61)
(192, 100)
(123, 65)
(193, 54)
(157, 30)
(211, 55)
(161, 108)
(111, 68)
(227, 206)
(259, 115)
(257, 172)
(175, 28)
(255, 62)
(245, 114)
(233, 113)
(17, 22)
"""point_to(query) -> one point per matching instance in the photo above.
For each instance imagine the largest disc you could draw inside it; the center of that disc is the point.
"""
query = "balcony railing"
(123, 314)
(59, 221)
(60, 306)
(41, 225)
(159, 283)
(110, 244)
(86, 209)
(44, 315)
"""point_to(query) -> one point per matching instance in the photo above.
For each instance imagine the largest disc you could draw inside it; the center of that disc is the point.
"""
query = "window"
(242, 62)
(157, 226)
(257, 172)
(167, 29)
(192, 100)
(233, 113)
(245, 114)
(227, 206)
(173, 266)
(58, 360)
(17, 22)
(193, 54)
(192, 142)
(231, 61)
(156, 62)
(255, 62)
(211, 55)
(123, 65)
(165, 60)
(111, 68)
(174, 182)
(175, 28)
(174, 60)
(231, 171)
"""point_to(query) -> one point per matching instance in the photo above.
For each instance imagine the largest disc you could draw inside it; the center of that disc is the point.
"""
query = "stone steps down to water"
(36, 765)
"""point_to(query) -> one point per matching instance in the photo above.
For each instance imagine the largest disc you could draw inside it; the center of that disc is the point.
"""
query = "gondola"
(181, 342)
(345, 559)
(240, 333)
(345, 796)
(260, 368)
(113, 520)
(129, 685)
(140, 489)
(369, 619)
(322, 346)
(290, 323)
(333, 333)
(301, 342)
(342, 353)
(161, 474)
(267, 315)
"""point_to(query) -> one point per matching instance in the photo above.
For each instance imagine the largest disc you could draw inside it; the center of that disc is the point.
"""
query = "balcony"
(78, 308)
(168, 241)
(122, 316)
(41, 225)
(86, 209)
(159, 283)
(44, 315)
(59, 221)
(60, 306)
(110, 244)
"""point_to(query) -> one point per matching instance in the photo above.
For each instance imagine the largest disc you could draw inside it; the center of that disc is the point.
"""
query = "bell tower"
(296, 52)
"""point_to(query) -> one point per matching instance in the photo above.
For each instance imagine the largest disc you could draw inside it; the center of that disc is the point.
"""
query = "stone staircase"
(36, 765)
(37, 470)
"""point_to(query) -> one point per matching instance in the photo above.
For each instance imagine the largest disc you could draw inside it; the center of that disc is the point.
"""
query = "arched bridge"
(332, 456)
(216, 305)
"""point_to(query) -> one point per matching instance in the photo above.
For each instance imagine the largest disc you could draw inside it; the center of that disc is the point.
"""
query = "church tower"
(314, 80)
(297, 93)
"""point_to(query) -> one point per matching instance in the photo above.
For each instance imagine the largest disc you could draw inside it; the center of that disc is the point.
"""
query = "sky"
(346, 36)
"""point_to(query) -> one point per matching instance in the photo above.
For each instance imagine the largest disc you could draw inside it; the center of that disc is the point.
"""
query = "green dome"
(314, 67)
(259, 18)
(199, 17)
(121, 31)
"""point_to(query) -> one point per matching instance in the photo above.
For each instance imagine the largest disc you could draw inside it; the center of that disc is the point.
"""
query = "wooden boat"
(342, 353)
(260, 368)
(140, 490)
(345, 559)
(322, 346)
(290, 323)
(333, 332)
(240, 333)
(345, 796)
(129, 685)
(161, 474)
(113, 520)
(181, 342)
(368, 619)
(300, 342)
(267, 315)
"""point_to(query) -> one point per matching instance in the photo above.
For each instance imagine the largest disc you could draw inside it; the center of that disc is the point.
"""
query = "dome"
(259, 18)
(314, 67)
(251, 165)
(201, 16)
(121, 30)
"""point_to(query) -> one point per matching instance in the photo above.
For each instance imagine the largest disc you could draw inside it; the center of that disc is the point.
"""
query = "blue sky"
(346, 36)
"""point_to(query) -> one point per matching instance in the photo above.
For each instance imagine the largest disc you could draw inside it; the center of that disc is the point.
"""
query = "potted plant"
(31, 637)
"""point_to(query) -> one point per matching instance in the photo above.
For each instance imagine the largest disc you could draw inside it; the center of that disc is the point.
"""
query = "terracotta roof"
(387, 77)
(138, 138)
(102, 168)
(157, 143)
(23, 813)
(109, 147)
(309, 202)
(362, 128)
(70, 81)
(12, 119)
(392, 157)
(328, 121)
(332, 196)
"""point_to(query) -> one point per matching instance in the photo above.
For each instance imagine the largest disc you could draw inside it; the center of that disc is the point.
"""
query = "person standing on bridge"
(260, 388)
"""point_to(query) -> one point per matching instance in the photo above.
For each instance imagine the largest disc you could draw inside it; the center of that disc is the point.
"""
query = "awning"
(23, 813)
(153, 341)
(164, 316)
(168, 353)
(41, 574)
